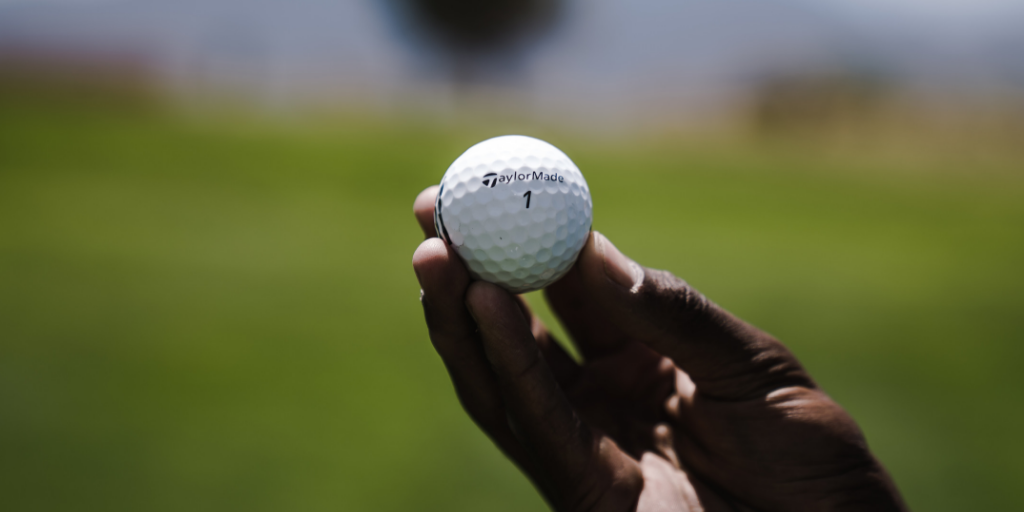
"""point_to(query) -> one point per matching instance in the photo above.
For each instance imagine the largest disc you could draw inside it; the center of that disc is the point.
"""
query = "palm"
(624, 394)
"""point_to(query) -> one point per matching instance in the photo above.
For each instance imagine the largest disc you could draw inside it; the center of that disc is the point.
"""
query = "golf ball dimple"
(516, 209)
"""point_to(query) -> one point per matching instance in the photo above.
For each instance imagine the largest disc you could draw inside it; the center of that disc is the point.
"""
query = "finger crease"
(537, 359)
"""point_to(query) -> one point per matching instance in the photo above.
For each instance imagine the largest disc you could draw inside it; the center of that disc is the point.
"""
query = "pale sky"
(944, 11)
(922, 8)
(941, 11)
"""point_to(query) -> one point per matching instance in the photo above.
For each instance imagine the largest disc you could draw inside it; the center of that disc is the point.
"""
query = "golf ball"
(516, 209)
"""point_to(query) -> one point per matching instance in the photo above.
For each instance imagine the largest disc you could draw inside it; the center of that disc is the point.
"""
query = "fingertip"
(438, 267)
(428, 252)
(425, 200)
(600, 261)
(423, 208)
(618, 267)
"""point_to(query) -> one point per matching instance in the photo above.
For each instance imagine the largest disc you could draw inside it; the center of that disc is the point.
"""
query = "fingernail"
(617, 266)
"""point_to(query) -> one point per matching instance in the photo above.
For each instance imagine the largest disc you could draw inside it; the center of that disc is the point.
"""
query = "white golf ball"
(516, 209)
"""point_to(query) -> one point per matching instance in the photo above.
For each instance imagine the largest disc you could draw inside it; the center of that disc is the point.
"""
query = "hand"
(678, 405)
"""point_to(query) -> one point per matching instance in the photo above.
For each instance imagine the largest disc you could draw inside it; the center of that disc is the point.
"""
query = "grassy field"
(222, 315)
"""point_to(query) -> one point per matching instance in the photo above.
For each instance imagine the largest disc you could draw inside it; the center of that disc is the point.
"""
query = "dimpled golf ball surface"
(516, 209)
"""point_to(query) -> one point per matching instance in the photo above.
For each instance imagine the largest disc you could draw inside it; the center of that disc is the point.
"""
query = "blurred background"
(206, 301)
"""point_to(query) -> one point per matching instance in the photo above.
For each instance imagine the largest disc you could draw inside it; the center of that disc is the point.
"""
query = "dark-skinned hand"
(678, 405)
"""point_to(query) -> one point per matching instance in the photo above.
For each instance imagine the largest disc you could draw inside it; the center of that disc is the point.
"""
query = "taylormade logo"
(492, 178)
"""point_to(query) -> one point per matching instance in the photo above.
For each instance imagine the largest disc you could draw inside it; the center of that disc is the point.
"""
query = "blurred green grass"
(220, 314)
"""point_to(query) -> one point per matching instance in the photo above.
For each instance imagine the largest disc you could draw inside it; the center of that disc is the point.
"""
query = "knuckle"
(662, 290)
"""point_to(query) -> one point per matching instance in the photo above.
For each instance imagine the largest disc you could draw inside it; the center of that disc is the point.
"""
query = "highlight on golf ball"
(516, 209)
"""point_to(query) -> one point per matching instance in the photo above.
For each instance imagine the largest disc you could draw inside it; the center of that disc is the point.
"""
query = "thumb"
(725, 357)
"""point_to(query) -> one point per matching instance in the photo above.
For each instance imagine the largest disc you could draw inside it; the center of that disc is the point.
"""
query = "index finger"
(561, 364)
(423, 207)
(579, 461)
